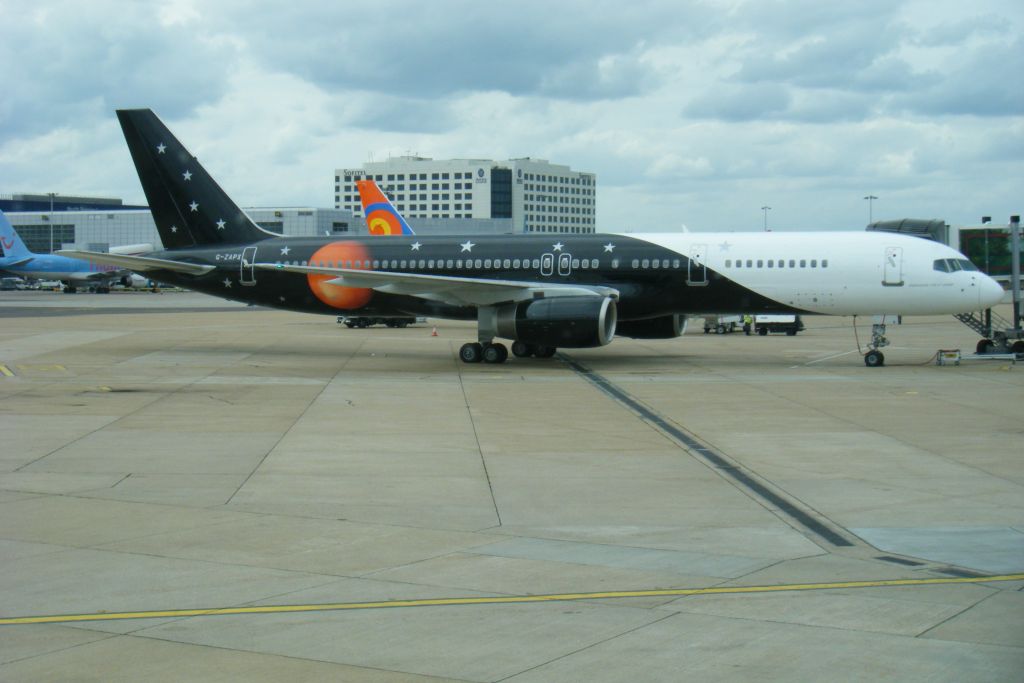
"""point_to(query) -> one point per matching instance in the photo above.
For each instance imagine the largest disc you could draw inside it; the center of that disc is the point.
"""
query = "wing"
(459, 291)
(137, 263)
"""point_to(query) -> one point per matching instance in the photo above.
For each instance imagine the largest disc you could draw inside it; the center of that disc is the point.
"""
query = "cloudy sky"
(690, 113)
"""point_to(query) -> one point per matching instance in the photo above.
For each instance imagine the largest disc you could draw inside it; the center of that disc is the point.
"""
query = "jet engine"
(569, 322)
(662, 327)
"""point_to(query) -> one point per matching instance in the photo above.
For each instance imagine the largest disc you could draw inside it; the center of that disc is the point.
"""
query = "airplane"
(18, 260)
(543, 292)
(382, 218)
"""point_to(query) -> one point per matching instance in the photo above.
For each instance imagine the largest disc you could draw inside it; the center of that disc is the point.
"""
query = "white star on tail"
(174, 228)
(161, 148)
(227, 283)
(187, 175)
(194, 206)
(467, 246)
(220, 224)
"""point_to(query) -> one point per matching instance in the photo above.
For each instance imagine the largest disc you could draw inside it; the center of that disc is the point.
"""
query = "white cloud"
(688, 112)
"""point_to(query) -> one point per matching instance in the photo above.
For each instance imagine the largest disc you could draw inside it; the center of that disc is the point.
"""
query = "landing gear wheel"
(984, 346)
(521, 349)
(471, 353)
(495, 353)
(544, 351)
(874, 359)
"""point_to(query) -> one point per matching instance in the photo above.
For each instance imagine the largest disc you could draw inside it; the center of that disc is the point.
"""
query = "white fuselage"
(840, 273)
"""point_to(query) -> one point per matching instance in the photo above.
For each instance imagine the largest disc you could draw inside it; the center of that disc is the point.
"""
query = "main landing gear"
(490, 351)
(494, 352)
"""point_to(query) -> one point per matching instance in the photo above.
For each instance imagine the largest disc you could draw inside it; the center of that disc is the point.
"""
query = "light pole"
(766, 209)
(51, 195)
(871, 198)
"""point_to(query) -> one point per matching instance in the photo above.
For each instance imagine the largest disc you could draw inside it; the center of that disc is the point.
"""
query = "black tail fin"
(189, 208)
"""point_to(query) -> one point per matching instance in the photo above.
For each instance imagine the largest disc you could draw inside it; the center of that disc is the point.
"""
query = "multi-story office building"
(537, 196)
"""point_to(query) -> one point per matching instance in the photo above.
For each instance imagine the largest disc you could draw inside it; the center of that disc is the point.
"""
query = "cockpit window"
(951, 265)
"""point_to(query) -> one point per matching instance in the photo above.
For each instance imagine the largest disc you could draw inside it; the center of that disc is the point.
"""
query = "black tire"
(763, 331)
(472, 352)
(720, 329)
(495, 353)
(521, 349)
(544, 351)
(984, 346)
(874, 359)
(1018, 346)
(791, 333)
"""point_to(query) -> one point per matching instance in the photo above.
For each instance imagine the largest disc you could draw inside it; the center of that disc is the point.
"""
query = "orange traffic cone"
(433, 332)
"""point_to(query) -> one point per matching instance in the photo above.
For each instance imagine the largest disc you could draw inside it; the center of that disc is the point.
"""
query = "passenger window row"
(776, 263)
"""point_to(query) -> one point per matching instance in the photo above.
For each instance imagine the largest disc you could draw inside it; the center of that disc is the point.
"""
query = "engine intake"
(662, 327)
(570, 322)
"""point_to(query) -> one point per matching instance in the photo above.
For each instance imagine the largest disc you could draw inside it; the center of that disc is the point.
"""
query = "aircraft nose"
(990, 292)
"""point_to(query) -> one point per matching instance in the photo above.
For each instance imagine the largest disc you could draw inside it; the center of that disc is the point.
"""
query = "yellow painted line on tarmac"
(6, 371)
(496, 600)
(50, 367)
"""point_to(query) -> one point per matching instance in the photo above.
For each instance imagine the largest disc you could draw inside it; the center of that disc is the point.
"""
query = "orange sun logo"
(339, 254)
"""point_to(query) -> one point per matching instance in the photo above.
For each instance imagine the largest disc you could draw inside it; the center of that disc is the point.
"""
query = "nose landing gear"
(875, 358)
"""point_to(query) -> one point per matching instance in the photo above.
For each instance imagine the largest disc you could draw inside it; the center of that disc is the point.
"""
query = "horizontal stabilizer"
(137, 263)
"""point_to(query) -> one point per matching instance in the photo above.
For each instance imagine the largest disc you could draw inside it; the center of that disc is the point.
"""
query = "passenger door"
(247, 276)
(696, 268)
(893, 267)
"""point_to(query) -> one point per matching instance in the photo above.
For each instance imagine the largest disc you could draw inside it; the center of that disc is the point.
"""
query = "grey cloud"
(748, 103)
(85, 62)
(434, 49)
(981, 82)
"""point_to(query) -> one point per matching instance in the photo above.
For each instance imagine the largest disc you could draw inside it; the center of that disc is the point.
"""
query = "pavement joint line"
(498, 600)
(752, 484)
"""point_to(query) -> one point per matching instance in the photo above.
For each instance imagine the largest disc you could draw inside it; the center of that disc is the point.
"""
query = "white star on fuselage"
(227, 282)
(220, 224)
(161, 148)
(285, 250)
(187, 175)
(194, 206)
(609, 248)
(557, 246)
(724, 246)
(174, 228)
(467, 246)
(415, 246)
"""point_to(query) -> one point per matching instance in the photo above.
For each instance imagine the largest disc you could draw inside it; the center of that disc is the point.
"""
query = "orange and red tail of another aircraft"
(382, 218)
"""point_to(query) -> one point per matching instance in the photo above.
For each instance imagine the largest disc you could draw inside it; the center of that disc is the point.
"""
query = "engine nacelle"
(569, 322)
(662, 327)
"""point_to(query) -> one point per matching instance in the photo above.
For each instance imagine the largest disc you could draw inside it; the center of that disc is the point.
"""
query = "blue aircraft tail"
(13, 247)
